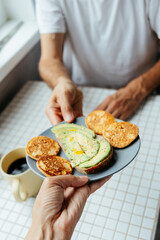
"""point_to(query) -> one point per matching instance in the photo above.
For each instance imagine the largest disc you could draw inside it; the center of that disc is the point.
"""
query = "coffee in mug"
(18, 166)
(23, 181)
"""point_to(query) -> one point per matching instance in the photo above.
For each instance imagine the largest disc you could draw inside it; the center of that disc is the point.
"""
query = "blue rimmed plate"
(121, 157)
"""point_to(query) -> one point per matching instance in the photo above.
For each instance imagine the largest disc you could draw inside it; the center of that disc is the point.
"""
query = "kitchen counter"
(126, 207)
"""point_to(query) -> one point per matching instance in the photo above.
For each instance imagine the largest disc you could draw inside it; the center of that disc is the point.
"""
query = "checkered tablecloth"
(126, 207)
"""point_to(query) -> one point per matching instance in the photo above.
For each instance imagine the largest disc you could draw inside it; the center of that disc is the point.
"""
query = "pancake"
(120, 134)
(98, 119)
(54, 166)
(42, 146)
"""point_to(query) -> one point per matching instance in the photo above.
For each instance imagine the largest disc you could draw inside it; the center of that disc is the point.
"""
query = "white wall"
(19, 9)
(20, 55)
(3, 17)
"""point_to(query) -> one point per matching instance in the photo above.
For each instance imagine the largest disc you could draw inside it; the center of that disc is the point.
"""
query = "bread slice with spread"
(85, 151)
(99, 161)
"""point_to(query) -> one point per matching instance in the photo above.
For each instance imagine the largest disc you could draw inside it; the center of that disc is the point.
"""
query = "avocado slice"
(89, 145)
(79, 148)
(103, 152)
(74, 152)
(73, 127)
(63, 132)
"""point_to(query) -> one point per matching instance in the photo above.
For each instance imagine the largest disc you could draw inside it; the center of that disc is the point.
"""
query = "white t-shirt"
(108, 42)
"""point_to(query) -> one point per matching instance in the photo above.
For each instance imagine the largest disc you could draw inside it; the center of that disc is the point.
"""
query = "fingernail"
(69, 117)
(83, 178)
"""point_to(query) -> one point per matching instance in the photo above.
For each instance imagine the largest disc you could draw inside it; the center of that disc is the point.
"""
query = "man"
(105, 43)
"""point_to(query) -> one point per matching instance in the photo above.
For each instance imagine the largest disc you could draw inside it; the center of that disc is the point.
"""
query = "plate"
(121, 157)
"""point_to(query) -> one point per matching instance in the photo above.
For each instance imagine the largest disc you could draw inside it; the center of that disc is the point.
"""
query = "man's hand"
(125, 101)
(59, 206)
(65, 102)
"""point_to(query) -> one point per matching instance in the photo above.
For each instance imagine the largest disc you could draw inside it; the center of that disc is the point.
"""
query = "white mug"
(25, 184)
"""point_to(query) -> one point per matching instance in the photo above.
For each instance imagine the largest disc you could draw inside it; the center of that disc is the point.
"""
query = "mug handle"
(19, 196)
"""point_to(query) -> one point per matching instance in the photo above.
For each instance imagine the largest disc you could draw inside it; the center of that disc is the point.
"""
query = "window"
(18, 32)
(3, 17)
(12, 15)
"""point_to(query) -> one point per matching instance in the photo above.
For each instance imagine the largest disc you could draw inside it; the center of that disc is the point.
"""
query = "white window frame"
(22, 39)
(3, 16)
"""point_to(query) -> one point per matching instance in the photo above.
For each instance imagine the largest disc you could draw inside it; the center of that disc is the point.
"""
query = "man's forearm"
(52, 71)
(148, 81)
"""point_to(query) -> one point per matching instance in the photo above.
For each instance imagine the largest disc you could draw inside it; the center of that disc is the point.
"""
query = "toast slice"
(79, 148)
(98, 119)
(61, 132)
(54, 166)
(42, 146)
(72, 127)
(120, 134)
(86, 154)
(97, 167)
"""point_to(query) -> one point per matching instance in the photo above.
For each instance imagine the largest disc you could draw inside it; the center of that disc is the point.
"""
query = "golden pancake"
(54, 166)
(120, 134)
(98, 119)
(42, 146)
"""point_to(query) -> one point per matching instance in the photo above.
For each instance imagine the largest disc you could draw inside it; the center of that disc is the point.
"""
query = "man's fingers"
(78, 107)
(67, 181)
(104, 104)
(117, 113)
(124, 116)
(66, 109)
(53, 111)
(110, 108)
(53, 116)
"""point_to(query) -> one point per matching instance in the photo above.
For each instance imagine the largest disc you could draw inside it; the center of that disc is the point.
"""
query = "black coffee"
(18, 166)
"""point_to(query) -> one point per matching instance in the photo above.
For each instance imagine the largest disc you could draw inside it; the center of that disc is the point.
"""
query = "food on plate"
(42, 146)
(102, 159)
(98, 119)
(71, 127)
(86, 152)
(120, 134)
(79, 148)
(54, 166)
